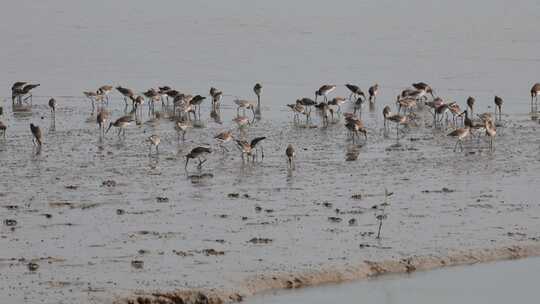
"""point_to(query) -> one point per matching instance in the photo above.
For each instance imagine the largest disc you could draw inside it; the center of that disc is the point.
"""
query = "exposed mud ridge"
(183, 297)
(365, 269)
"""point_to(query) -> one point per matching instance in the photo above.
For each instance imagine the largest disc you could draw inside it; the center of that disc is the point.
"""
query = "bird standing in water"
(199, 153)
(258, 91)
(498, 106)
(154, 140)
(36, 132)
(290, 153)
(101, 119)
(52, 105)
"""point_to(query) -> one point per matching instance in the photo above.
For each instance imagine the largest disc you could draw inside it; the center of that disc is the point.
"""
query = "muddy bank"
(365, 269)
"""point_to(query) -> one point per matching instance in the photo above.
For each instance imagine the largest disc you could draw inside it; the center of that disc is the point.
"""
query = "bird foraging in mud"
(121, 123)
(373, 91)
(52, 105)
(36, 132)
(3, 128)
(290, 153)
(460, 134)
(154, 141)
(223, 138)
(101, 118)
(198, 153)
(498, 106)
(324, 90)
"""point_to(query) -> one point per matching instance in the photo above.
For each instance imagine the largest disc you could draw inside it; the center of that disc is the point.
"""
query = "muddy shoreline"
(366, 269)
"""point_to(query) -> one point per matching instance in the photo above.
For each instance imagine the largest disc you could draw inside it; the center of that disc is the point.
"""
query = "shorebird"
(196, 102)
(101, 119)
(257, 89)
(181, 126)
(440, 111)
(121, 123)
(407, 103)
(241, 121)
(408, 92)
(52, 105)
(255, 145)
(306, 102)
(470, 104)
(290, 153)
(297, 110)
(337, 101)
(398, 120)
(455, 110)
(245, 150)
(126, 93)
(198, 153)
(244, 104)
(324, 90)
(16, 90)
(153, 96)
(154, 140)
(251, 148)
(535, 90)
(356, 126)
(491, 131)
(163, 94)
(355, 91)
(105, 90)
(498, 105)
(460, 134)
(386, 112)
(373, 91)
(27, 89)
(223, 138)
(216, 96)
(422, 86)
(36, 132)
(324, 110)
(3, 128)
(94, 97)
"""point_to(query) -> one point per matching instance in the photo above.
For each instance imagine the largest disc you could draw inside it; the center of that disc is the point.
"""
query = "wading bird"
(52, 105)
(121, 123)
(324, 90)
(198, 153)
(36, 132)
(290, 153)
(154, 140)
(373, 91)
(460, 134)
(498, 106)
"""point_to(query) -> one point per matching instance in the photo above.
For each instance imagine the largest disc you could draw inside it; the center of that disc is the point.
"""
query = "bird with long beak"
(36, 132)
(290, 153)
(324, 90)
(121, 123)
(198, 153)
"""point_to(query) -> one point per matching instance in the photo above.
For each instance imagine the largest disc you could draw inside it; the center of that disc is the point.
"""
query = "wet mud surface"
(94, 221)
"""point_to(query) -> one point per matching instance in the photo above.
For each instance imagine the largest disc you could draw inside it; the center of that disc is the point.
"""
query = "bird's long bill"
(110, 126)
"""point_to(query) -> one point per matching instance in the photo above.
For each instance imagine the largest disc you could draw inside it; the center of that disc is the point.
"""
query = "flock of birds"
(185, 111)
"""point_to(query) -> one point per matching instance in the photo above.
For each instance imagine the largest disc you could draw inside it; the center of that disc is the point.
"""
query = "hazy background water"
(462, 48)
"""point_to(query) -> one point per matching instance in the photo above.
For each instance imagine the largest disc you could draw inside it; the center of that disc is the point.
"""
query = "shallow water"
(493, 283)
(85, 247)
